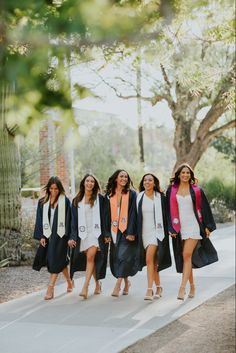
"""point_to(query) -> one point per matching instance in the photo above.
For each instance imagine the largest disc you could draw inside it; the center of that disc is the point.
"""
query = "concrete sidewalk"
(104, 324)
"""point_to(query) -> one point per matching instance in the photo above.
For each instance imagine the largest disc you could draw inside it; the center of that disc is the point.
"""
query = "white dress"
(189, 226)
(90, 240)
(148, 231)
(52, 212)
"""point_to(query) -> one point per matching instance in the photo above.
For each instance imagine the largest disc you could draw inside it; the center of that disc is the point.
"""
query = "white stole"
(158, 216)
(61, 228)
(82, 227)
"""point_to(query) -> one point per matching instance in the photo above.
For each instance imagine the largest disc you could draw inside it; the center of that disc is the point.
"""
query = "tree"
(36, 40)
(195, 57)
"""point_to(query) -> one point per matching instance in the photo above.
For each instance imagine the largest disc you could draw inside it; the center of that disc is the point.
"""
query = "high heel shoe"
(116, 291)
(181, 293)
(149, 297)
(50, 292)
(70, 286)
(158, 293)
(126, 292)
(84, 293)
(98, 289)
(192, 291)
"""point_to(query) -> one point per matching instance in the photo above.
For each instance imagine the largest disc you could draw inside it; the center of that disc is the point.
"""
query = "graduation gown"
(163, 253)
(78, 259)
(55, 254)
(123, 254)
(204, 253)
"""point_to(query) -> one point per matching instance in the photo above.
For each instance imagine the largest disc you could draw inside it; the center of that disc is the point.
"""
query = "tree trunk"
(10, 204)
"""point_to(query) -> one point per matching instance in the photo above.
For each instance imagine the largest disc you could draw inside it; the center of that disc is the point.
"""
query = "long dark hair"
(112, 183)
(156, 183)
(80, 194)
(52, 180)
(175, 179)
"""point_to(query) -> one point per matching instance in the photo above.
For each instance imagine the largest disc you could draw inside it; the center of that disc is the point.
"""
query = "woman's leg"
(116, 289)
(50, 290)
(151, 251)
(157, 280)
(188, 247)
(70, 283)
(90, 263)
(98, 284)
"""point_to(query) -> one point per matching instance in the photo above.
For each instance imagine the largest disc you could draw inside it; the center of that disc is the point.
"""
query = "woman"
(120, 228)
(190, 224)
(90, 252)
(153, 234)
(51, 229)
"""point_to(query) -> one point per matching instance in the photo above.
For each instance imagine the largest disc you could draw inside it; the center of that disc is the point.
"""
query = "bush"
(222, 199)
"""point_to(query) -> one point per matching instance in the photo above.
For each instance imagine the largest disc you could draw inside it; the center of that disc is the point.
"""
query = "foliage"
(225, 145)
(216, 190)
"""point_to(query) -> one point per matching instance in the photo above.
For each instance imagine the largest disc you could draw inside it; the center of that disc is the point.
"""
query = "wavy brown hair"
(112, 183)
(156, 183)
(52, 180)
(175, 179)
(81, 192)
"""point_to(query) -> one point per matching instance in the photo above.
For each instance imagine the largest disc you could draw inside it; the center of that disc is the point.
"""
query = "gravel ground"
(210, 328)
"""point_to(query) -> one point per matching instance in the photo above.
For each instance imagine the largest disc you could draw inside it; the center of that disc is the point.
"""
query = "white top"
(189, 226)
(52, 213)
(90, 240)
(148, 229)
(113, 234)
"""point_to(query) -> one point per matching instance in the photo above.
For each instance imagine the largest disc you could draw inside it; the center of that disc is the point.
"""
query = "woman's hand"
(130, 237)
(173, 235)
(43, 242)
(208, 233)
(72, 243)
(107, 240)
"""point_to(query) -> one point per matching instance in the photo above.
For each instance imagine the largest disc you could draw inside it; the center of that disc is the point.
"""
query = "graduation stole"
(158, 216)
(119, 221)
(82, 227)
(61, 229)
(174, 209)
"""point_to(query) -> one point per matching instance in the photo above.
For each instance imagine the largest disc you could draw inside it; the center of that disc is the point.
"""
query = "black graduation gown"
(78, 259)
(123, 254)
(55, 254)
(204, 254)
(163, 253)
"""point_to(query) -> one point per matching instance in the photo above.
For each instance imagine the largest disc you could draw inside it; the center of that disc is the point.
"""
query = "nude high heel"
(126, 292)
(84, 293)
(99, 289)
(70, 286)
(181, 293)
(158, 293)
(149, 297)
(192, 291)
(50, 292)
(116, 291)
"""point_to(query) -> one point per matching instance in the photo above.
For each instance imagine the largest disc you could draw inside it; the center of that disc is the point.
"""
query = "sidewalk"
(103, 324)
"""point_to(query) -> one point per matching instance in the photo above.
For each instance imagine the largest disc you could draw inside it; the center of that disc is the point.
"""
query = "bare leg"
(116, 289)
(189, 246)
(192, 286)
(70, 283)
(151, 270)
(90, 254)
(157, 280)
(98, 284)
(50, 290)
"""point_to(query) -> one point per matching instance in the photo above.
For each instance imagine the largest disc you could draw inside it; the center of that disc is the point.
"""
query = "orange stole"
(120, 221)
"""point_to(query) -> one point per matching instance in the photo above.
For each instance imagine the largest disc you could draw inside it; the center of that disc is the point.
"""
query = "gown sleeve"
(38, 228)
(74, 223)
(207, 216)
(168, 217)
(132, 215)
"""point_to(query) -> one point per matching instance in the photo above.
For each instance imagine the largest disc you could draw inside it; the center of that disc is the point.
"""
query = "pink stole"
(174, 210)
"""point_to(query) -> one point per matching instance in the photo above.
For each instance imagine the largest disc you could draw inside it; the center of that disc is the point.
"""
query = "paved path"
(103, 324)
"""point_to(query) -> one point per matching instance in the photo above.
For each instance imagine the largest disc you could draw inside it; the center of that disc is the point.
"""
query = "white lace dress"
(148, 231)
(189, 226)
(90, 240)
